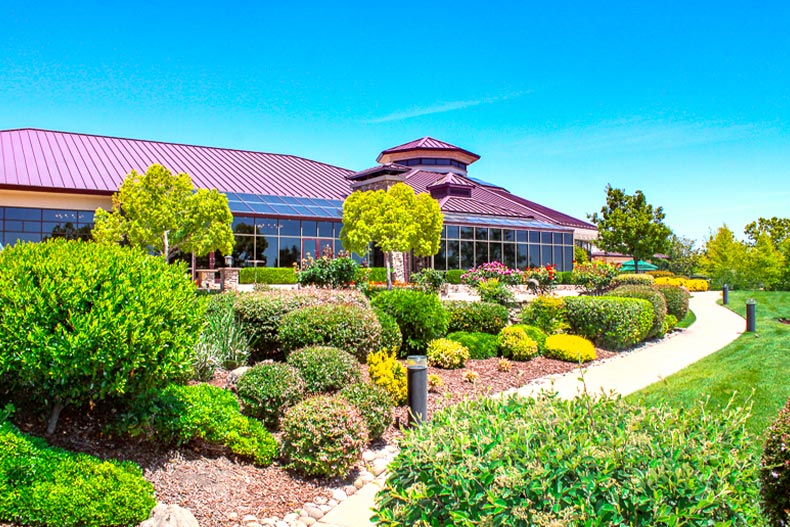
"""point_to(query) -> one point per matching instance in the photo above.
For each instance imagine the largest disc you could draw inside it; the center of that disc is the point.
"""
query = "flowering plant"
(546, 277)
(487, 271)
(595, 277)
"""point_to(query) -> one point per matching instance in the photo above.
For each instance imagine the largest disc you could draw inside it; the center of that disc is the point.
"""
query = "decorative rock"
(298, 523)
(325, 508)
(358, 483)
(292, 517)
(339, 495)
(254, 524)
(281, 523)
(308, 521)
(233, 516)
(368, 456)
(350, 490)
(249, 518)
(170, 516)
(378, 467)
(332, 503)
(314, 512)
(233, 377)
(320, 500)
(268, 521)
(392, 448)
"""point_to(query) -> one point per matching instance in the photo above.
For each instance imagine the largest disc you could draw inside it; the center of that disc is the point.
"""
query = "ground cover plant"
(753, 367)
(594, 461)
(81, 323)
(46, 486)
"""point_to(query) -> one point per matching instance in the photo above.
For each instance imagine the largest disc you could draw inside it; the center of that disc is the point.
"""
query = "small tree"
(683, 256)
(723, 259)
(395, 220)
(628, 224)
(163, 212)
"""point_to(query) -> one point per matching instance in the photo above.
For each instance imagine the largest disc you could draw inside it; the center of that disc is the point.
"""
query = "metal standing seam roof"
(427, 143)
(43, 159)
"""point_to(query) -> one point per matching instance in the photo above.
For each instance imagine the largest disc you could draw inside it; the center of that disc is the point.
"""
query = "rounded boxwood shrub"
(325, 369)
(652, 296)
(536, 334)
(373, 403)
(46, 486)
(391, 337)
(268, 388)
(476, 317)
(514, 343)
(323, 436)
(610, 322)
(82, 322)
(632, 279)
(571, 348)
(775, 470)
(350, 328)
(677, 299)
(177, 415)
(591, 460)
(447, 354)
(480, 345)
(546, 313)
(420, 316)
(261, 312)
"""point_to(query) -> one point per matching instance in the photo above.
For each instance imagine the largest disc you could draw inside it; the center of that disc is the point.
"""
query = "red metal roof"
(451, 179)
(44, 159)
(542, 211)
(426, 143)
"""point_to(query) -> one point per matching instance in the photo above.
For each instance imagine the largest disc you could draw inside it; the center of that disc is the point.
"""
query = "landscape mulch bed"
(212, 485)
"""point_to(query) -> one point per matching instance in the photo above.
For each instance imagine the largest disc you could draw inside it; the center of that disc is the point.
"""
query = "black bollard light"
(417, 383)
(751, 315)
(725, 295)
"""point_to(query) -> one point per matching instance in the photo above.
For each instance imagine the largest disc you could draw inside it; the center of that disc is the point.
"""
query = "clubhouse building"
(283, 206)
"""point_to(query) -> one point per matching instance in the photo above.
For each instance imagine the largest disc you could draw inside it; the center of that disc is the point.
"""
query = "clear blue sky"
(687, 101)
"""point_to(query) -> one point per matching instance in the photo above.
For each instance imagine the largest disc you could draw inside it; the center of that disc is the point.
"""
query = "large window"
(463, 247)
(25, 224)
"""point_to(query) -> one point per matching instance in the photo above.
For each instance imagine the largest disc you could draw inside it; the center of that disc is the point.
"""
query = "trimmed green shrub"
(494, 291)
(268, 388)
(420, 316)
(353, 329)
(82, 322)
(325, 369)
(447, 354)
(42, 485)
(267, 275)
(565, 277)
(326, 271)
(480, 345)
(571, 348)
(390, 332)
(594, 277)
(670, 322)
(323, 436)
(373, 403)
(453, 276)
(385, 371)
(483, 317)
(546, 313)
(677, 299)
(632, 279)
(660, 274)
(536, 334)
(514, 343)
(377, 274)
(651, 295)
(775, 470)
(223, 342)
(261, 312)
(610, 322)
(180, 414)
(429, 280)
(590, 460)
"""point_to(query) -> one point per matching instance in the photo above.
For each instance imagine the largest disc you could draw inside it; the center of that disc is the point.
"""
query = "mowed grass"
(755, 366)
(688, 320)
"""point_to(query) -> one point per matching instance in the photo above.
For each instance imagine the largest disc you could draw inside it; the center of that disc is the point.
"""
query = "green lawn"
(759, 362)
(688, 320)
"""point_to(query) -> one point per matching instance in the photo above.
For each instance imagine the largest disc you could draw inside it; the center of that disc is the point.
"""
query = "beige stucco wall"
(53, 200)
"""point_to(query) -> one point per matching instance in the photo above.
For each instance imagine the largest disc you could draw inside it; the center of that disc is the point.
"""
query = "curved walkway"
(716, 326)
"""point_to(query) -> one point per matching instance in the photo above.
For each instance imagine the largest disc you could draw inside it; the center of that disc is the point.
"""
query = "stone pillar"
(229, 278)
(398, 267)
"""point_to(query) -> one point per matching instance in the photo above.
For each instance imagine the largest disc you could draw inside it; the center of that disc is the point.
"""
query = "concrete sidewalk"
(716, 326)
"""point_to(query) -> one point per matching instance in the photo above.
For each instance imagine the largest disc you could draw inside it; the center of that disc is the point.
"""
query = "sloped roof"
(542, 211)
(427, 143)
(451, 179)
(45, 159)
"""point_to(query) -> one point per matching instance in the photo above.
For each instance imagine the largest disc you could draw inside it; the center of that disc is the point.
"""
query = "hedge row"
(267, 275)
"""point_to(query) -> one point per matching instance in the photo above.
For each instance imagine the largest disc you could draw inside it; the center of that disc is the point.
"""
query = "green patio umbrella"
(643, 266)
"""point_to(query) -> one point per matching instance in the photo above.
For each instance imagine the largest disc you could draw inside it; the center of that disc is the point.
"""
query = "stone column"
(398, 267)
(229, 278)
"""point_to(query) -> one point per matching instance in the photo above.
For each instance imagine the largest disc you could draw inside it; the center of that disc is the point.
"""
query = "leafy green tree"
(395, 220)
(723, 258)
(163, 212)
(764, 265)
(683, 255)
(628, 224)
(777, 229)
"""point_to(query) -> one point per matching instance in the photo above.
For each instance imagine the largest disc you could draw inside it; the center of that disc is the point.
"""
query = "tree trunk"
(166, 247)
(636, 265)
(388, 260)
(54, 416)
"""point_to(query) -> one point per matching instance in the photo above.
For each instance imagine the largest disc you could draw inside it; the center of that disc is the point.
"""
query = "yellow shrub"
(385, 371)
(448, 354)
(570, 348)
(693, 285)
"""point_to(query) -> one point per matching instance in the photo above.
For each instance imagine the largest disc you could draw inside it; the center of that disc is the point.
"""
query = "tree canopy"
(163, 212)
(628, 224)
(395, 220)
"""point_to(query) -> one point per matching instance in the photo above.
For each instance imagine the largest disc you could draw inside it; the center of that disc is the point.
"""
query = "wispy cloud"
(441, 108)
(638, 134)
